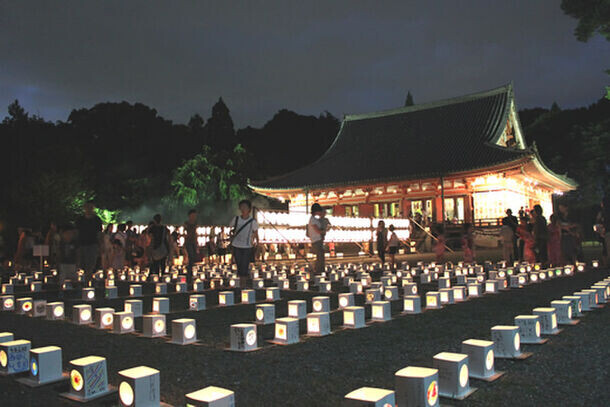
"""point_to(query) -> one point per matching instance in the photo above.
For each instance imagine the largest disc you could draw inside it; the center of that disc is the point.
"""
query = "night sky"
(307, 56)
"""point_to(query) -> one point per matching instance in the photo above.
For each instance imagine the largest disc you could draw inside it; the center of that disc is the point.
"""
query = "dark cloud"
(343, 56)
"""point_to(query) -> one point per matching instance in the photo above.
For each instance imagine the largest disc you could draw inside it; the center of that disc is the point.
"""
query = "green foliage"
(107, 216)
(593, 17)
(409, 99)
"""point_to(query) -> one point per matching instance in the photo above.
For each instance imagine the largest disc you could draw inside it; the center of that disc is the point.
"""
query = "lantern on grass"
(602, 293)
(507, 342)
(491, 286)
(24, 305)
(355, 287)
(474, 290)
(480, 359)
(45, 366)
(409, 289)
(197, 302)
(346, 300)
(563, 310)
(104, 318)
(161, 288)
(411, 304)
(529, 329)
(14, 357)
(417, 386)
(244, 338)
(460, 294)
(286, 331)
(123, 322)
(180, 287)
(81, 314)
(369, 397)
(320, 304)
(6, 337)
(390, 293)
(134, 306)
(184, 331)
(198, 286)
(248, 296)
(318, 324)
(453, 375)
(39, 309)
(446, 295)
(302, 285)
(88, 294)
(88, 379)
(265, 314)
(8, 289)
(226, 298)
(272, 294)
(585, 300)
(353, 317)
(548, 320)
(433, 300)
(372, 295)
(135, 290)
(575, 303)
(139, 386)
(111, 292)
(7, 303)
(55, 311)
(381, 311)
(297, 309)
(258, 283)
(444, 282)
(36, 286)
(211, 397)
(160, 305)
(153, 325)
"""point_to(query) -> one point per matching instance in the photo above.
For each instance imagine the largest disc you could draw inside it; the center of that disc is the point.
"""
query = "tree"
(409, 100)
(16, 112)
(219, 130)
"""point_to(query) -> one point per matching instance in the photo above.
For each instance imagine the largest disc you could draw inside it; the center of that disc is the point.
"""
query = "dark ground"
(570, 370)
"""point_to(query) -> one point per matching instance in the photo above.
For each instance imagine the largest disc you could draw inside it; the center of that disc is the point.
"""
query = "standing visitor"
(118, 255)
(513, 222)
(52, 240)
(190, 242)
(159, 246)
(382, 241)
(529, 244)
(68, 252)
(244, 237)
(540, 234)
(106, 247)
(440, 244)
(89, 227)
(315, 233)
(393, 244)
(554, 242)
(507, 235)
(468, 243)
(569, 234)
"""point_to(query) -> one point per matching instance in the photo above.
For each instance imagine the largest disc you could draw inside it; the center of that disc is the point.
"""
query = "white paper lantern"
(480, 359)
(297, 309)
(45, 366)
(139, 387)
(370, 397)
(265, 314)
(353, 317)
(15, 356)
(154, 325)
(211, 397)
(318, 324)
(548, 320)
(226, 298)
(123, 322)
(244, 337)
(507, 342)
(529, 329)
(81, 314)
(55, 311)
(417, 386)
(433, 300)
(135, 307)
(453, 375)
(184, 331)
(286, 331)
(346, 300)
(88, 379)
(197, 302)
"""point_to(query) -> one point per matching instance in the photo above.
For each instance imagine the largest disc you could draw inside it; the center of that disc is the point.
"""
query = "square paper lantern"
(346, 300)
(297, 309)
(353, 317)
(180, 287)
(45, 366)
(588, 297)
(160, 305)
(153, 325)
(184, 331)
(529, 329)
(36, 286)
(286, 331)
(444, 282)
(325, 287)
(258, 283)
(161, 288)
(7, 289)
(14, 356)
(601, 293)
(88, 294)
(104, 318)
(6, 337)
(197, 302)
(55, 311)
(417, 386)
(320, 304)
(381, 311)
(491, 286)
(88, 378)
(244, 337)
(480, 359)
(446, 295)
(391, 293)
(111, 293)
(211, 397)
(563, 310)
(135, 307)
(248, 296)
(453, 375)
(265, 314)
(7, 303)
(372, 295)
(139, 387)
(507, 342)
(355, 288)
(81, 314)
(474, 290)
(433, 300)
(318, 324)
(460, 294)
(226, 298)
(39, 309)
(409, 289)
(272, 294)
(411, 304)
(135, 290)
(425, 278)
(575, 303)
(369, 397)
(24, 305)
(548, 320)
(123, 322)
(198, 286)
(302, 285)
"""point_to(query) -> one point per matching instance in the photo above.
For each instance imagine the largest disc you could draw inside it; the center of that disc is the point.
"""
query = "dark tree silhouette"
(409, 99)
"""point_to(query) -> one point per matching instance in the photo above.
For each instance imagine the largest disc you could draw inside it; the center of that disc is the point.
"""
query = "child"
(67, 255)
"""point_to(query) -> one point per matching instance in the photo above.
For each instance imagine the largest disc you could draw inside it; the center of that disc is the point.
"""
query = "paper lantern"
(160, 305)
(180, 287)
(585, 300)
(272, 294)
(211, 397)
(409, 289)
(346, 300)
(123, 322)
(369, 397)
(381, 311)
(433, 300)
(81, 314)
(258, 283)
(111, 293)
(529, 329)
(444, 282)
(134, 306)
(8, 289)
(248, 296)
(265, 314)
(411, 304)
(88, 379)
(548, 320)
(302, 285)
(135, 290)
(353, 317)
(104, 318)
(161, 288)
(153, 325)
(595, 264)
(390, 293)
(297, 309)
(184, 331)
(286, 331)
(507, 342)
(45, 366)
(460, 294)
(197, 302)
(39, 309)
(446, 295)
(7, 302)
(320, 304)
(14, 356)
(198, 286)
(453, 375)
(244, 337)
(425, 278)
(88, 294)
(372, 295)
(6, 337)
(355, 288)
(575, 303)
(563, 310)
(225, 298)
(417, 386)
(480, 359)
(24, 305)
(474, 290)
(36, 286)
(602, 293)
(139, 387)
(491, 287)
(318, 324)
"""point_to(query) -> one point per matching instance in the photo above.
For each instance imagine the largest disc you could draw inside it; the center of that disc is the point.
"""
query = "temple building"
(457, 160)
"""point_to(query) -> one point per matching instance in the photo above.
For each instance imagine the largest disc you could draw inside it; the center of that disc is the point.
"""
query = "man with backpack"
(244, 238)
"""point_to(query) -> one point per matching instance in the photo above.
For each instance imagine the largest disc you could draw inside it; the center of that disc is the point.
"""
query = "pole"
(443, 199)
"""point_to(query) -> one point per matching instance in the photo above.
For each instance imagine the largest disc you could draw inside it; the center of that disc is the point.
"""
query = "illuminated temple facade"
(457, 160)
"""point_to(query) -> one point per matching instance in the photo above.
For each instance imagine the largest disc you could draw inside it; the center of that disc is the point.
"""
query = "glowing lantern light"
(425, 278)
(211, 397)
(297, 309)
(575, 303)
(391, 293)
(88, 294)
(180, 287)
(480, 359)
(160, 305)
(302, 285)
(55, 311)
(369, 397)
(88, 379)
(139, 387)
(529, 329)
(453, 374)
(8, 289)
(6, 337)
(272, 294)
(320, 304)
(161, 288)
(198, 286)
(595, 264)
(225, 298)
(585, 299)
(111, 293)
(45, 367)
(444, 282)
(433, 300)
(548, 320)
(372, 295)
(184, 331)
(248, 296)
(353, 317)
(602, 293)
(153, 325)
(417, 386)
(81, 314)
(446, 296)
(244, 338)
(135, 290)
(381, 311)
(258, 283)
(14, 356)
(507, 342)
(460, 294)
(134, 306)
(104, 318)
(7, 303)
(346, 300)
(265, 314)
(286, 331)
(474, 290)
(197, 302)
(411, 304)
(36, 286)
(355, 287)
(563, 310)
(123, 322)
(318, 324)
(491, 287)
(409, 288)
(24, 305)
